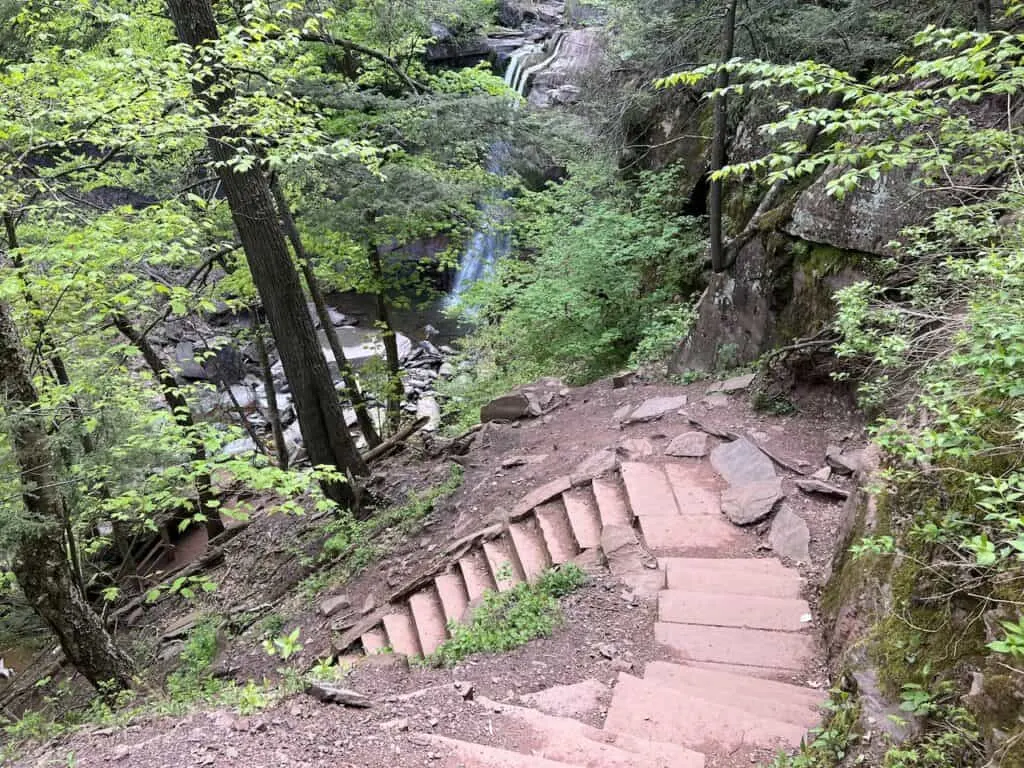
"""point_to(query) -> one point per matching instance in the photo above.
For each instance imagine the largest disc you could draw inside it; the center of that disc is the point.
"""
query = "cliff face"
(780, 287)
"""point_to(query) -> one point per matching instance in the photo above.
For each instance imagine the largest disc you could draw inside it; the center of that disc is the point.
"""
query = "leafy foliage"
(506, 620)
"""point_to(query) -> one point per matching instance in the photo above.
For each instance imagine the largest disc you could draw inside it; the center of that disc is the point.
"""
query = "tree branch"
(350, 45)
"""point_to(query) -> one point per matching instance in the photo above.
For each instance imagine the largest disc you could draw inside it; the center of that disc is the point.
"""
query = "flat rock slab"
(735, 384)
(544, 493)
(679, 534)
(577, 700)
(751, 503)
(650, 710)
(790, 537)
(810, 485)
(694, 489)
(688, 445)
(734, 576)
(332, 694)
(655, 408)
(648, 489)
(741, 462)
(731, 645)
(726, 610)
(779, 701)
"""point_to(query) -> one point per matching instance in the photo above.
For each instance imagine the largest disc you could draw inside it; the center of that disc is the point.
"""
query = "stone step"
(568, 740)
(375, 641)
(746, 670)
(648, 490)
(779, 701)
(695, 488)
(680, 534)
(453, 593)
(504, 565)
(584, 518)
(727, 610)
(467, 754)
(428, 616)
(732, 576)
(476, 574)
(533, 554)
(402, 635)
(558, 535)
(612, 507)
(650, 710)
(727, 645)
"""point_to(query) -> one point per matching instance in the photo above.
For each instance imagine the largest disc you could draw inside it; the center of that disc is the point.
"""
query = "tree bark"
(718, 262)
(182, 415)
(273, 414)
(40, 562)
(983, 15)
(348, 376)
(393, 395)
(319, 411)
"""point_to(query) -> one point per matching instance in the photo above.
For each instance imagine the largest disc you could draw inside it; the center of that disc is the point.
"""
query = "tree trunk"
(321, 417)
(40, 562)
(718, 140)
(348, 376)
(393, 395)
(182, 415)
(983, 15)
(273, 414)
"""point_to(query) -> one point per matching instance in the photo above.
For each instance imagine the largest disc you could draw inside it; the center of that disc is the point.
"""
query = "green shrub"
(506, 620)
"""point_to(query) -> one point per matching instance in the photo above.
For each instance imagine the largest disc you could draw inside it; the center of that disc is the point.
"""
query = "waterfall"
(489, 242)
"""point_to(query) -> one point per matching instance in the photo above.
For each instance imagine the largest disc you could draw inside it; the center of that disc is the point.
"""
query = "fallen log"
(395, 440)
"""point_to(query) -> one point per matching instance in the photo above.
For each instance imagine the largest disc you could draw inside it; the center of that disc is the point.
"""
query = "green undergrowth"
(507, 620)
(351, 545)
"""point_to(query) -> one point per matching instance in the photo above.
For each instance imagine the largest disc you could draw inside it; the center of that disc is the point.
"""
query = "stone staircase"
(734, 626)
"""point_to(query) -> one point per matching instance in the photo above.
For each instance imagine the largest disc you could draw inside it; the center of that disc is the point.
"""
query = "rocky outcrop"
(778, 289)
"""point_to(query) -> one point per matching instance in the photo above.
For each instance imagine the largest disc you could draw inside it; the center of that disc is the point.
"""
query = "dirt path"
(690, 606)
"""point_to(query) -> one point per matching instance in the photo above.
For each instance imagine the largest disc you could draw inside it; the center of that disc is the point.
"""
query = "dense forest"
(264, 259)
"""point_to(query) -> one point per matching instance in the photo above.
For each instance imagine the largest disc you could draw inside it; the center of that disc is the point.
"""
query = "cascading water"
(491, 242)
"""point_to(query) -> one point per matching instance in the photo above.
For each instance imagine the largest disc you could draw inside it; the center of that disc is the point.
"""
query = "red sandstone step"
(466, 754)
(402, 635)
(428, 616)
(695, 488)
(558, 536)
(530, 548)
(648, 490)
(476, 574)
(504, 564)
(612, 507)
(454, 596)
(375, 641)
(678, 534)
(728, 645)
(745, 670)
(647, 709)
(568, 740)
(583, 517)
(779, 701)
(725, 610)
(732, 576)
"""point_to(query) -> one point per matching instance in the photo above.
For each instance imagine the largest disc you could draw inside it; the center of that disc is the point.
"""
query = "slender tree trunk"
(320, 414)
(40, 562)
(182, 415)
(393, 396)
(983, 15)
(268, 387)
(718, 140)
(348, 376)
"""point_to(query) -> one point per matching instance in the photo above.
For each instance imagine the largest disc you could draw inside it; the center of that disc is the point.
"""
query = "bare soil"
(264, 584)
